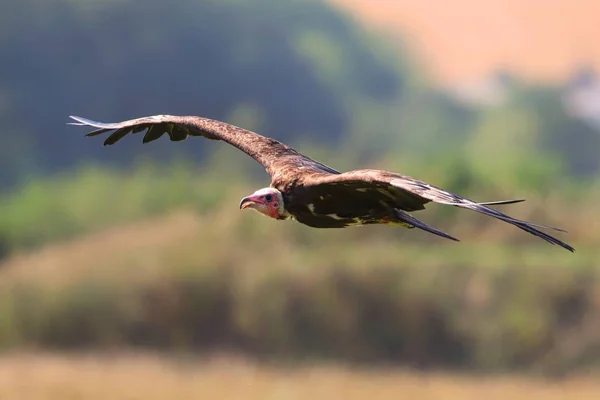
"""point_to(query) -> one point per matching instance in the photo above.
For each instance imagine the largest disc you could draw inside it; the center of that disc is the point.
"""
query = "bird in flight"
(310, 192)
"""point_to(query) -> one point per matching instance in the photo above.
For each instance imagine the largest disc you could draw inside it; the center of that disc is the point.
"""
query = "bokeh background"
(128, 271)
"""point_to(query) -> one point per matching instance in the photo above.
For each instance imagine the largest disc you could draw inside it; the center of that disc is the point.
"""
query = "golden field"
(468, 39)
(149, 377)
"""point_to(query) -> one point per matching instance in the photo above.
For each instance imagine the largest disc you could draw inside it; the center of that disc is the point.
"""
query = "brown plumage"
(310, 192)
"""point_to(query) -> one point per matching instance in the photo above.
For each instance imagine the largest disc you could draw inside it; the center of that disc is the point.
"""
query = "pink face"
(266, 201)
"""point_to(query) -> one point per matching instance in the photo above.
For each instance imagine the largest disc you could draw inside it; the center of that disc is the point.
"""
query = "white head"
(267, 201)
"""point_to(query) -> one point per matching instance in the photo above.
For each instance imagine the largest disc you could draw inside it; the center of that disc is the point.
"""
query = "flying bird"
(312, 193)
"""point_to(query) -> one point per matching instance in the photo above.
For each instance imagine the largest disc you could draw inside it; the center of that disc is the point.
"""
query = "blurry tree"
(504, 146)
(300, 65)
(571, 141)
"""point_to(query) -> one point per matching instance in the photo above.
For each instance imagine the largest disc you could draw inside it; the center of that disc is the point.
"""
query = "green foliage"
(299, 71)
(94, 198)
(514, 134)
(306, 74)
(222, 285)
(301, 65)
(559, 136)
(218, 277)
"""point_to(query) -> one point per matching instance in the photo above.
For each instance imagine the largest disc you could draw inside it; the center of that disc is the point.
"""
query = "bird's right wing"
(411, 194)
(272, 154)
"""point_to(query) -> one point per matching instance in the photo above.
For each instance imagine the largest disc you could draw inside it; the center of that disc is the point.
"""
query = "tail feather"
(406, 217)
(526, 226)
(441, 196)
(497, 203)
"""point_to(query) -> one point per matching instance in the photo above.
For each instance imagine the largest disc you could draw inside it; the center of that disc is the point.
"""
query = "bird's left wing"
(272, 154)
(412, 194)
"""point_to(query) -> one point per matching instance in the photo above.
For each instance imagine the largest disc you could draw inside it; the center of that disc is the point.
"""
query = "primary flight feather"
(310, 192)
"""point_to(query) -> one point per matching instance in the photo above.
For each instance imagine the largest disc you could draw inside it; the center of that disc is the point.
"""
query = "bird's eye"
(269, 198)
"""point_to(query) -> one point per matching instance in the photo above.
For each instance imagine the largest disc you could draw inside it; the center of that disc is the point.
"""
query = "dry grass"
(97, 250)
(148, 377)
(464, 39)
(214, 236)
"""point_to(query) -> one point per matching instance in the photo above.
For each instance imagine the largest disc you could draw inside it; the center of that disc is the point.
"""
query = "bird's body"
(310, 192)
(342, 203)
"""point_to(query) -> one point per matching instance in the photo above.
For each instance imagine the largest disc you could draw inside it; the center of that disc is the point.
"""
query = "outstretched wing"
(272, 154)
(409, 194)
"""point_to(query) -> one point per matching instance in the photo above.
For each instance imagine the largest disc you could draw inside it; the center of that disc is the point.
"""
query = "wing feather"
(139, 128)
(406, 217)
(420, 193)
(154, 132)
(117, 135)
(277, 158)
(97, 132)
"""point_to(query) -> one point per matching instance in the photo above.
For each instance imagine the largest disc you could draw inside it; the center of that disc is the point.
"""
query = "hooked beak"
(247, 202)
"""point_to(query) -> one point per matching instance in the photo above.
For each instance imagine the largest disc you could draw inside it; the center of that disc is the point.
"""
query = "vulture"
(312, 193)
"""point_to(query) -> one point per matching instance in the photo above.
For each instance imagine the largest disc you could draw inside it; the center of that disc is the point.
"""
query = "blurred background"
(129, 272)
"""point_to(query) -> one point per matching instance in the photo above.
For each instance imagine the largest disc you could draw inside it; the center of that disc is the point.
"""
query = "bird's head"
(267, 201)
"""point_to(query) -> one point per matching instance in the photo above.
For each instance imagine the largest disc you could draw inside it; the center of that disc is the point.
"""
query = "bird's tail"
(405, 217)
(501, 202)
(444, 197)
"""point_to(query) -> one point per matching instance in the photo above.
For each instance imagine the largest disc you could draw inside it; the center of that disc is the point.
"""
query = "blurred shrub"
(235, 282)
(300, 65)
(230, 280)
(4, 250)
(92, 198)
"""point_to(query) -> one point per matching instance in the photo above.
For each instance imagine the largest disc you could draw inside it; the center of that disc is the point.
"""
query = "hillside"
(204, 282)
(539, 39)
(148, 377)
